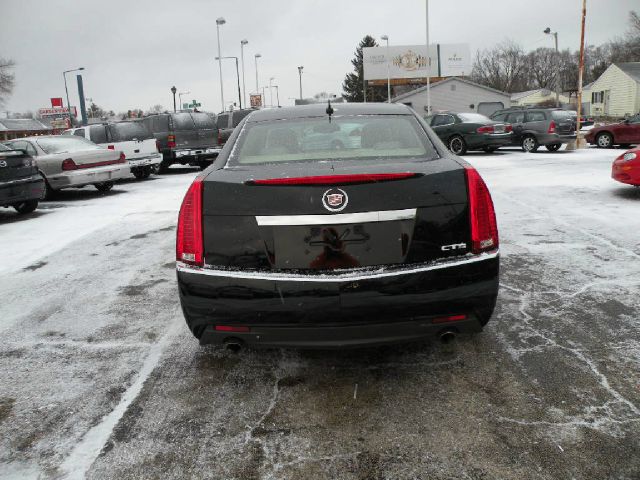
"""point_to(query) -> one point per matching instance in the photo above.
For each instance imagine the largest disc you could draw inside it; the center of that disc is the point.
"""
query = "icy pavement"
(100, 378)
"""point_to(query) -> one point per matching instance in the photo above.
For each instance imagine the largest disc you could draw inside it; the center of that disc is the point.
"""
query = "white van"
(132, 138)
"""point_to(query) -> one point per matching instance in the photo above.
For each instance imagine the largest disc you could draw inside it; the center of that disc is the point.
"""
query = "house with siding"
(616, 92)
(457, 95)
(535, 97)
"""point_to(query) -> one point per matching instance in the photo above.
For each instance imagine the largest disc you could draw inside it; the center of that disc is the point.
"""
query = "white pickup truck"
(132, 138)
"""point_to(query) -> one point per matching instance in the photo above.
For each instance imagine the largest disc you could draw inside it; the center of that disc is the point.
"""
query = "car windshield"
(125, 131)
(344, 138)
(65, 144)
(474, 117)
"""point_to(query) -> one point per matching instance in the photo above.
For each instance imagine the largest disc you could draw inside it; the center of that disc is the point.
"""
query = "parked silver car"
(73, 162)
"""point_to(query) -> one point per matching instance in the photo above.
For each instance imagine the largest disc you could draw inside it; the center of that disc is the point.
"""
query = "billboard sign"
(411, 61)
(56, 102)
(255, 101)
(57, 112)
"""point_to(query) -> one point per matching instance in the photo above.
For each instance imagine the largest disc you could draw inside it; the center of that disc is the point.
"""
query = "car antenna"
(329, 110)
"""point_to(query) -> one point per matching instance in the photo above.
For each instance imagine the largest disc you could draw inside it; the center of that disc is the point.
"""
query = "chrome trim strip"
(339, 218)
(339, 277)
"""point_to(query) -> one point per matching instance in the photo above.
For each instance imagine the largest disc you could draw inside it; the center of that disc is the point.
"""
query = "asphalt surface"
(100, 378)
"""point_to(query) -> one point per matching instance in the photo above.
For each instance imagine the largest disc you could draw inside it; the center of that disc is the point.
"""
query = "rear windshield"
(563, 114)
(126, 131)
(474, 117)
(222, 120)
(66, 144)
(182, 121)
(204, 121)
(363, 137)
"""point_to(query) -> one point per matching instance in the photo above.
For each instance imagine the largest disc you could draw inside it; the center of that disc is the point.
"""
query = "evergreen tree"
(353, 82)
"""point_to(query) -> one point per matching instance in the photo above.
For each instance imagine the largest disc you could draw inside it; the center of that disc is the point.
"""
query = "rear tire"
(164, 167)
(26, 207)
(457, 145)
(530, 144)
(554, 147)
(604, 140)
(104, 187)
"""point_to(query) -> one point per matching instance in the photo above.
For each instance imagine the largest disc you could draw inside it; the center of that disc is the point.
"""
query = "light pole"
(271, 91)
(428, 61)
(244, 92)
(174, 90)
(277, 95)
(555, 37)
(237, 76)
(300, 75)
(64, 75)
(180, 97)
(220, 21)
(256, 57)
(386, 37)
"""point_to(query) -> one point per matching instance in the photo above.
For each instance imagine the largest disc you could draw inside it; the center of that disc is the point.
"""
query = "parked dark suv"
(533, 127)
(184, 137)
(21, 185)
(227, 121)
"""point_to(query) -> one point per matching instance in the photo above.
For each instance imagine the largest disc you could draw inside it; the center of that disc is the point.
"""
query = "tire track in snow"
(87, 450)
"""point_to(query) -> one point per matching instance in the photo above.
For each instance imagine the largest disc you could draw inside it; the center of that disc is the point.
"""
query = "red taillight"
(482, 216)
(111, 147)
(552, 127)
(123, 158)
(450, 318)
(189, 248)
(171, 141)
(232, 328)
(69, 164)
(220, 140)
(334, 179)
(508, 128)
(486, 129)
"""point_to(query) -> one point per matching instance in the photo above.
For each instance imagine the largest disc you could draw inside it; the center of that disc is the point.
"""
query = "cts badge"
(455, 246)
(335, 199)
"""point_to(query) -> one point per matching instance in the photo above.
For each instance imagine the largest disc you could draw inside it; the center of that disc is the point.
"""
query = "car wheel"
(530, 144)
(140, 173)
(554, 147)
(604, 140)
(490, 149)
(104, 187)
(26, 207)
(457, 145)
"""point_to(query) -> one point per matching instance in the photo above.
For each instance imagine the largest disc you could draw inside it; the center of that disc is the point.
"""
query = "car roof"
(319, 110)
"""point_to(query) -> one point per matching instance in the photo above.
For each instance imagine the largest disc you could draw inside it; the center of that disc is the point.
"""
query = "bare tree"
(7, 78)
(502, 67)
(542, 68)
(634, 23)
(156, 109)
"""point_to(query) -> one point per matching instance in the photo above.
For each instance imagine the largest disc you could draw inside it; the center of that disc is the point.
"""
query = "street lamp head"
(220, 21)
(384, 37)
(547, 30)
(300, 68)
(217, 58)
(174, 90)
(81, 68)
(257, 55)
(244, 42)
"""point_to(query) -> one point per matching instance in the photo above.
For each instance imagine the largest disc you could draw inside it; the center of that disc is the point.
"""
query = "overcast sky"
(134, 51)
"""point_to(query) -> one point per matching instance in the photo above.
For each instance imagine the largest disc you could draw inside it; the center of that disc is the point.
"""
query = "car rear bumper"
(89, 176)
(21, 190)
(626, 173)
(196, 152)
(360, 307)
(552, 138)
(150, 160)
(489, 140)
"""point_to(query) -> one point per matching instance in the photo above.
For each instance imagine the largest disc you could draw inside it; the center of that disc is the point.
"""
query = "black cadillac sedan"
(386, 238)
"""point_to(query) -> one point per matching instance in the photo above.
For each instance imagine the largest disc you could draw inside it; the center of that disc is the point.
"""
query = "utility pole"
(579, 140)
(555, 37)
(428, 63)
(219, 21)
(386, 38)
(244, 93)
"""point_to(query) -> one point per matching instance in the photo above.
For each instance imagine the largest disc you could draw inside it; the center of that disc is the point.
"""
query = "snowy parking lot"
(100, 377)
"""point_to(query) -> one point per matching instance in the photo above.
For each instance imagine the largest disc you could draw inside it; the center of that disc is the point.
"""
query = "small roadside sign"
(256, 100)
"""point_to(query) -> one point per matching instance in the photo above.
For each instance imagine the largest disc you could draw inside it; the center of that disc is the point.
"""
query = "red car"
(626, 168)
(625, 133)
